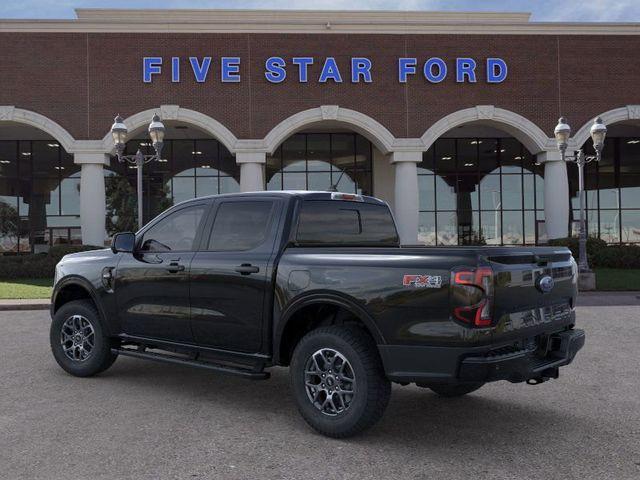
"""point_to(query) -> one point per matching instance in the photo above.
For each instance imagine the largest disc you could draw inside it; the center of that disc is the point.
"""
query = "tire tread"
(378, 386)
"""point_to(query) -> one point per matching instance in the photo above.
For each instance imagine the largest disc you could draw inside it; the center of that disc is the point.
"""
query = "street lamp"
(119, 133)
(562, 133)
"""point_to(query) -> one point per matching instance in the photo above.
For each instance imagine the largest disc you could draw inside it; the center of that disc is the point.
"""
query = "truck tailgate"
(535, 292)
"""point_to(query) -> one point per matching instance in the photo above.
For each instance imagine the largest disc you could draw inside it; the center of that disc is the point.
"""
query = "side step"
(226, 369)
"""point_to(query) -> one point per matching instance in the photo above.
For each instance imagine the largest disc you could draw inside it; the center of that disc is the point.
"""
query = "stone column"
(406, 202)
(556, 194)
(251, 170)
(92, 197)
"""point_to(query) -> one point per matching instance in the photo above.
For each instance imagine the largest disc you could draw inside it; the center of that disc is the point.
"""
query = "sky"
(542, 10)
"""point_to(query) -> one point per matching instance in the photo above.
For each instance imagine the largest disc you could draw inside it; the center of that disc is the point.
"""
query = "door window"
(176, 232)
(240, 226)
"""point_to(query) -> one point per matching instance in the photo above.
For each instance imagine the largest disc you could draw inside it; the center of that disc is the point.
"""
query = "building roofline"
(311, 22)
(302, 16)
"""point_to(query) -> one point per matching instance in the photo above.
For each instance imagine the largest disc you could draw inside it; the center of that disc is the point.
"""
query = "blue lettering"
(428, 70)
(330, 70)
(275, 69)
(360, 67)
(406, 66)
(303, 66)
(496, 70)
(151, 66)
(465, 67)
(230, 70)
(175, 69)
(200, 72)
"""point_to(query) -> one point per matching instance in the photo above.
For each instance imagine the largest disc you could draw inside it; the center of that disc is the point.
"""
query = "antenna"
(334, 187)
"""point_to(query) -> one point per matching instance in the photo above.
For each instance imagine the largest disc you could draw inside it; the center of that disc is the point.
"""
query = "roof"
(306, 194)
(310, 21)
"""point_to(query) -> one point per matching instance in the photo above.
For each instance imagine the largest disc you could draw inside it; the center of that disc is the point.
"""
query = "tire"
(450, 391)
(91, 353)
(354, 353)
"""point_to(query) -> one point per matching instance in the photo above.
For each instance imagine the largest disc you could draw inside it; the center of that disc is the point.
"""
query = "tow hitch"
(547, 374)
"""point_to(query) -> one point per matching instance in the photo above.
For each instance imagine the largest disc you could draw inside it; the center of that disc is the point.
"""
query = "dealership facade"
(448, 117)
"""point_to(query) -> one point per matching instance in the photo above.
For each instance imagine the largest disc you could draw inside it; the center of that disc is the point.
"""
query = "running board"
(158, 357)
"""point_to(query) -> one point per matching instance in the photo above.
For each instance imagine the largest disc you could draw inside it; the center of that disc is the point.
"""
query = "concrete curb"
(25, 304)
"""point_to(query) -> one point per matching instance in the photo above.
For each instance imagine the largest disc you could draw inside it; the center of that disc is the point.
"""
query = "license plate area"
(536, 317)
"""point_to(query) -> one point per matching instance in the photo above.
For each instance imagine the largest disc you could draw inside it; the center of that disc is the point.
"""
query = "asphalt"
(147, 420)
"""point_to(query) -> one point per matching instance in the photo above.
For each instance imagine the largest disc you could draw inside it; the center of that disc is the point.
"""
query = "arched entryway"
(39, 184)
(479, 185)
(481, 181)
(330, 146)
(612, 185)
(194, 163)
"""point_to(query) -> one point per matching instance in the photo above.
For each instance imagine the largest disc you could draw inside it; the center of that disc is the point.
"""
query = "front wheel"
(78, 341)
(338, 380)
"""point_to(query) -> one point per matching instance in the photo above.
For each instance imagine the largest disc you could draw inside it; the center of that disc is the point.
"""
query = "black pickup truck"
(316, 281)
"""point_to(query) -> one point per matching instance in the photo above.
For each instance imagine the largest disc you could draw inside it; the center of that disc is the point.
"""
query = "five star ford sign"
(361, 69)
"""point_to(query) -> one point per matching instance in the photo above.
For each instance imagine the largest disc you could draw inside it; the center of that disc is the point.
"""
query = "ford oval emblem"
(545, 283)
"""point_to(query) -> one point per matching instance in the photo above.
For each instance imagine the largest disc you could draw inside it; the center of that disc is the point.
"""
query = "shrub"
(602, 255)
(594, 245)
(617, 256)
(39, 265)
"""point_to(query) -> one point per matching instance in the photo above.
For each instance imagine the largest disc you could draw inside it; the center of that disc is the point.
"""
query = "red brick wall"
(82, 80)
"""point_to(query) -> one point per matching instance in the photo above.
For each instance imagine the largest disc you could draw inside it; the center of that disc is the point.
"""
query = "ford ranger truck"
(318, 282)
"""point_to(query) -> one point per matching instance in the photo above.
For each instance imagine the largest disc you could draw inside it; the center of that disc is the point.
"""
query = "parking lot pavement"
(150, 420)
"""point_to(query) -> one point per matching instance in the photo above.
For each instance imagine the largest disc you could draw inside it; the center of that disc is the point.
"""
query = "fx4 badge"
(422, 281)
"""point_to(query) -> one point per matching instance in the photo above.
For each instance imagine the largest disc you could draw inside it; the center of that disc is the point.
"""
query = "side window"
(240, 225)
(176, 232)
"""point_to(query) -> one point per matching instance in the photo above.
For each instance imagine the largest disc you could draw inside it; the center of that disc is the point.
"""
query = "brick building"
(448, 117)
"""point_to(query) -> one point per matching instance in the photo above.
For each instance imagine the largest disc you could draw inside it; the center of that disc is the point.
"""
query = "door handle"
(175, 267)
(247, 269)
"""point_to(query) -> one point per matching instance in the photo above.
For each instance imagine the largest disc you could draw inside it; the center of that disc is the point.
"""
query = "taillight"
(472, 296)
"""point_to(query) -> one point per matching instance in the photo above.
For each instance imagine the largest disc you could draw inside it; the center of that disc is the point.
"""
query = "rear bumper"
(423, 364)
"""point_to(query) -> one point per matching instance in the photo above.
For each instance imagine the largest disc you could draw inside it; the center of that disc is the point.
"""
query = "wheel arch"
(76, 288)
(293, 320)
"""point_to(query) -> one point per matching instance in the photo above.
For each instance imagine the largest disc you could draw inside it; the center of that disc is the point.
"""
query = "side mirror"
(123, 242)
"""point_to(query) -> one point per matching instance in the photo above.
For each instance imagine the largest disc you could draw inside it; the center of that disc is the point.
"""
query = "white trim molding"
(521, 128)
(196, 21)
(629, 112)
(10, 113)
(363, 124)
(180, 114)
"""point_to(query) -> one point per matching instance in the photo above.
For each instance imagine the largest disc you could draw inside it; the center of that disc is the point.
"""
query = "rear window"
(345, 223)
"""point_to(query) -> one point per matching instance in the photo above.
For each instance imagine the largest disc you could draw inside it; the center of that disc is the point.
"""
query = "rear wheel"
(338, 381)
(450, 391)
(78, 340)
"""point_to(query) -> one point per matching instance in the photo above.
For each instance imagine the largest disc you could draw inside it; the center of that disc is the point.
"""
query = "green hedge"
(594, 245)
(618, 256)
(38, 265)
(601, 255)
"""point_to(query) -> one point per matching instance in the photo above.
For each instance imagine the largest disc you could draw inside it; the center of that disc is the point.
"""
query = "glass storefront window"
(316, 161)
(612, 191)
(39, 195)
(426, 187)
(487, 191)
(630, 224)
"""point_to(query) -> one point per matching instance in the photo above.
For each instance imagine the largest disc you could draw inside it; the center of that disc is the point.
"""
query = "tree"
(121, 205)
(122, 211)
(9, 222)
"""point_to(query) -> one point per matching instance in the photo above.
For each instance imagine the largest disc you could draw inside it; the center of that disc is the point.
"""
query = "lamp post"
(562, 133)
(119, 133)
